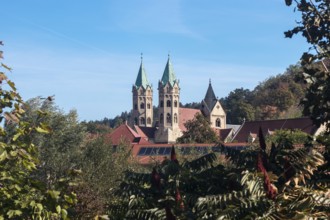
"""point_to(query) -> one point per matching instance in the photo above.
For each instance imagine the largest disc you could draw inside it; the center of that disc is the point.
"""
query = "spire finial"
(141, 57)
(169, 54)
(210, 81)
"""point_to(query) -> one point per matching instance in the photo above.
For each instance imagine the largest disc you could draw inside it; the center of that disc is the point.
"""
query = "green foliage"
(69, 148)
(276, 97)
(22, 195)
(288, 137)
(198, 131)
(60, 149)
(238, 106)
(101, 126)
(96, 128)
(102, 168)
(274, 181)
(315, 28)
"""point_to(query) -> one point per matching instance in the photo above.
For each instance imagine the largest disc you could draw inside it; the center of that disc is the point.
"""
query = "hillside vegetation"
(274, 98)
(277, 97)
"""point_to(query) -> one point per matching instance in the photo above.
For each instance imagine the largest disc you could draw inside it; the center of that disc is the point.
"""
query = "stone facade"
(168, 118)
(212, 109)
(168, 107)
(142, 112)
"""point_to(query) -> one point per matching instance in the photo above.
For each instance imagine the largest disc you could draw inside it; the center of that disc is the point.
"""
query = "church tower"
(168, 107)
(213, 110)
(142, 113)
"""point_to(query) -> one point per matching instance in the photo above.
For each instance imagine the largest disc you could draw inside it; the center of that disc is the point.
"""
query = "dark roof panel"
(303, 124)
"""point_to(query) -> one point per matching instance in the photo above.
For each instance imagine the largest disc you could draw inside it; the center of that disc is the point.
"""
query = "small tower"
(142, 113)
(213, 110)
(168, 107)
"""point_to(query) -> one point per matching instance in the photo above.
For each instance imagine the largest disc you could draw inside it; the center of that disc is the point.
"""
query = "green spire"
(142, 79)
(169, 75)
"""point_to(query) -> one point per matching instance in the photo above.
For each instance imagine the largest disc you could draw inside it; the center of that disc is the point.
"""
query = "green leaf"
(11, 84)
(6, 67)
(54, 194)
(58, 209)
(42, 130)
(3, 156)
(40, 207)
(64, 214)
(12, 213)
(16, 136)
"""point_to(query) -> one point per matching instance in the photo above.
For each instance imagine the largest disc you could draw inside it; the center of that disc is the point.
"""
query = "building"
(152, 136)
(248, 132)
(169, 122)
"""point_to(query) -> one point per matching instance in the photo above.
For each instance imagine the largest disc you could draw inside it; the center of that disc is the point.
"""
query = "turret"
(142, 112)
(168, 107)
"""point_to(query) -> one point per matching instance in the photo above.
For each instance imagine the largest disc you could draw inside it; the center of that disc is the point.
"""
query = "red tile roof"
(303, 124)
(223, 133)
(186, 114)
(126, 133)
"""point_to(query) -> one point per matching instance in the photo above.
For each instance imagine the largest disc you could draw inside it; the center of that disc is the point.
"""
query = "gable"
(217, 109)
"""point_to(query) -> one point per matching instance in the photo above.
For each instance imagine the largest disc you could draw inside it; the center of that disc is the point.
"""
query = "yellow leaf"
(41, 130)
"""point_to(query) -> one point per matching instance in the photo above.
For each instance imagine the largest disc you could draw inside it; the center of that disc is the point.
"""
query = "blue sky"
(87, 53)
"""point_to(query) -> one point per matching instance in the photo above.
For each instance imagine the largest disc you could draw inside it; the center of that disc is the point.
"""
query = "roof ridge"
(135, 134)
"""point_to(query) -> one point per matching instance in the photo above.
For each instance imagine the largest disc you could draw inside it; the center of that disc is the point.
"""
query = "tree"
(264, 182)
(198, 131)
(315, 28)
(238, 106)
(60, 149)
(22, 195)
(289, 137)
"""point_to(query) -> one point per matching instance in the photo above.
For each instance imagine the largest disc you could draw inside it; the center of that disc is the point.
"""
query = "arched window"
(175, 103)
(142, 105)
(161, 118)
(168, 118)
(135, 121)
(175, 118)
(142, 121)
(148, 106)
(148, 120)
(168, 103)
(161, 103)
(218, 123)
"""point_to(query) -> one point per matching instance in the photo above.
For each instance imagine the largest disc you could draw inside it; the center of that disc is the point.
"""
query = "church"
(152, 134)
(170, 118)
